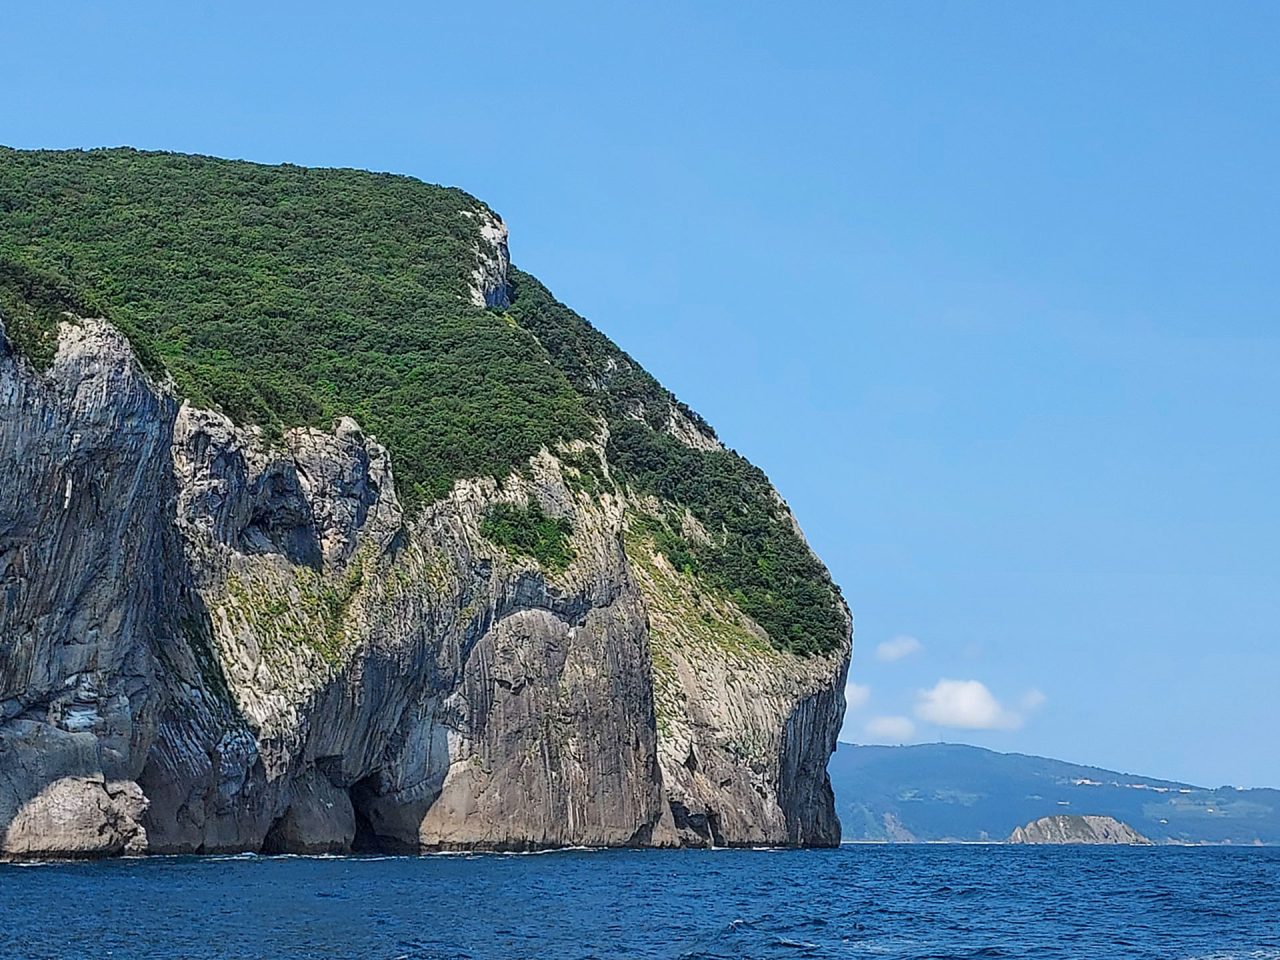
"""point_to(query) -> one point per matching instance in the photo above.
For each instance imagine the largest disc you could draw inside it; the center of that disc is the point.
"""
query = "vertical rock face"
(489, 278)
(744, 730)
(83, 451)
(210, 641)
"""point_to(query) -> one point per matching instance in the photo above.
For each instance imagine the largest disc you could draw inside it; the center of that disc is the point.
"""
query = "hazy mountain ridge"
(931, 792)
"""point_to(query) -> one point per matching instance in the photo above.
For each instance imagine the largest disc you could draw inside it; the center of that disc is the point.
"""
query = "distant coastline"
(952, 793)
(1260, 845)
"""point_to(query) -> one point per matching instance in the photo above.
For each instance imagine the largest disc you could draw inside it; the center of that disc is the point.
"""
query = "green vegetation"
(664, 533)
(32, 302)
(287, 296)
(615, 386)
(311, 610)
(585, 472)
(529, 532)
(755, 554)
(683, 613)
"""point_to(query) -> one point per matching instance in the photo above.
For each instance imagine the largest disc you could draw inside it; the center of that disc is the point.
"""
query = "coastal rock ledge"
(1086, 829)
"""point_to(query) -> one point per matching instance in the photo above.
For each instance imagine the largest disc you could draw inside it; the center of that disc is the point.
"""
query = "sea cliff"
(224, 631)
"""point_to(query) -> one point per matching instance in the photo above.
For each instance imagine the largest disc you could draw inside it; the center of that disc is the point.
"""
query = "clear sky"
(991, 290)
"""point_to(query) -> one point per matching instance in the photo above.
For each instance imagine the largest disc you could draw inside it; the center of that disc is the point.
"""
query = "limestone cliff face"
(211, 640)
(744, 730)
(489, 278)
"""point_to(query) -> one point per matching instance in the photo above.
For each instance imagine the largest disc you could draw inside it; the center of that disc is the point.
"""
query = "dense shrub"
(755, 553)
(288, 296)
(529, 532)
(32, 301)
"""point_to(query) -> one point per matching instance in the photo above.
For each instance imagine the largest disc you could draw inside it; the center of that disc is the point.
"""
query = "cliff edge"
(539, 605)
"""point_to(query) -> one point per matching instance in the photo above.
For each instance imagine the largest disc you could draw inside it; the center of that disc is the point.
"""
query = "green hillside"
(286, 296)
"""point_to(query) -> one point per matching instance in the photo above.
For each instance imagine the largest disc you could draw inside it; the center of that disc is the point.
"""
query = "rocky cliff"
(217, 635)
(1077, 829)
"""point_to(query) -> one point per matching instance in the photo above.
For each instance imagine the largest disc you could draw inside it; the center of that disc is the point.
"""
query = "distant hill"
(942, 791)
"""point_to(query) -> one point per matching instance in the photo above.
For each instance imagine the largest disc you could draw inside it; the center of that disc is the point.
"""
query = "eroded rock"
(212, 642)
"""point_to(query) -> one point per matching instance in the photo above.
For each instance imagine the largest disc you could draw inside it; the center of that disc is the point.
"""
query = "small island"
(1069, 828)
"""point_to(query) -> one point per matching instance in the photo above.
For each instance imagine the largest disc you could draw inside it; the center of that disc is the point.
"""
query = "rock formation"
(1077, 829)
(212, 639)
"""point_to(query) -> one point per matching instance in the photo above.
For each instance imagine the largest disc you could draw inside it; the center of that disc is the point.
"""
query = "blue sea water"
(858, 901)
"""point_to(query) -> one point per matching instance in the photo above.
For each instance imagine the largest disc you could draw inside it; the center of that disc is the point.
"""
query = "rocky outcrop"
(489, 278)
(85, 547)
(212, 640)
(1077, 829)
(744, 730)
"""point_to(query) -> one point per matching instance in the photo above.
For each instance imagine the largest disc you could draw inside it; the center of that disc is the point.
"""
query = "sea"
(932, 901)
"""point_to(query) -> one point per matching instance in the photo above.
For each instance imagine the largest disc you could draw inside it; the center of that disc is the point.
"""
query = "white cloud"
(898, 648)
(1032, 699)
(856, 695)
(964, 704)
(890, 729)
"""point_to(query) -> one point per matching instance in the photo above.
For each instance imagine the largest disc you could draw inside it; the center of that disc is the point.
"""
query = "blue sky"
(989, 289)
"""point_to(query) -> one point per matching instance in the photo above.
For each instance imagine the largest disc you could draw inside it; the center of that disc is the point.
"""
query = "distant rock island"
(1073, 828)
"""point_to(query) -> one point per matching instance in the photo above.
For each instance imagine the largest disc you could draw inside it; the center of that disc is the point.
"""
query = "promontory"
(324, 528)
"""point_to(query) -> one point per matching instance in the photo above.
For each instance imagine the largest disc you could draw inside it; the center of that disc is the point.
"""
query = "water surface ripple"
(944, 902)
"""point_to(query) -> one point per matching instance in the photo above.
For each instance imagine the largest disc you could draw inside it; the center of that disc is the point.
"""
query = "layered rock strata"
(213, 640)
